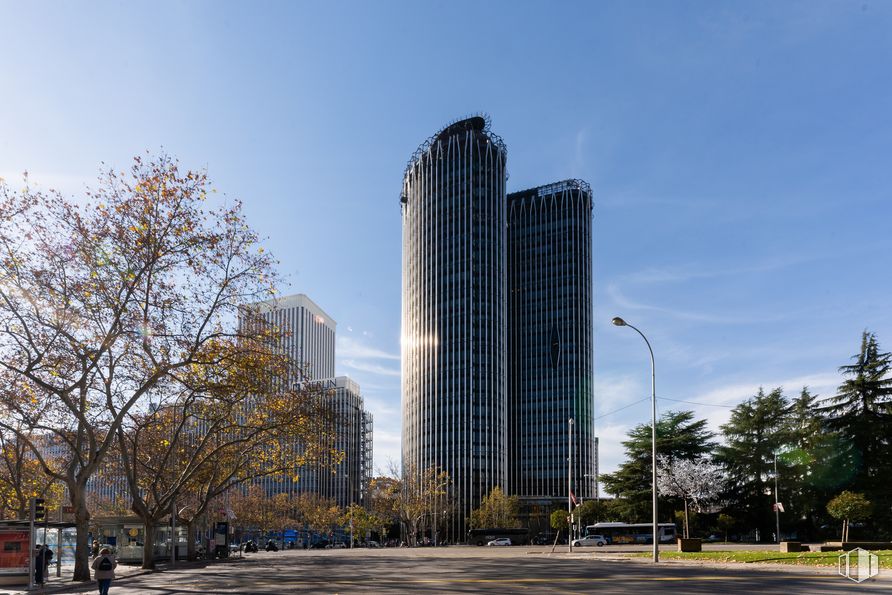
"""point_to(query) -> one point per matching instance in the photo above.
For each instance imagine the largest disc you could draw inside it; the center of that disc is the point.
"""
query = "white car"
(597, 540)
(500, 541)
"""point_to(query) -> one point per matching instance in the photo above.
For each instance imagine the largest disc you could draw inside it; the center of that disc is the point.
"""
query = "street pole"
(59, 543)
(776, 504)
(173, 533)
(31, 550)
(570, 486)
(617, 321)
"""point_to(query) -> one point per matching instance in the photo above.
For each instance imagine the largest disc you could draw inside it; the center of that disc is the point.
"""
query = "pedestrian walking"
(104, 569)
(47, 558)
(39, 564)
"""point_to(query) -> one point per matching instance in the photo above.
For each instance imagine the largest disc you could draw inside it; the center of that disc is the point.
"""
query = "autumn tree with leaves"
(423, 494)
(319, 513)
(385, 501)
(105, 297)
(21, 478)
(497, 510)
(226, 422)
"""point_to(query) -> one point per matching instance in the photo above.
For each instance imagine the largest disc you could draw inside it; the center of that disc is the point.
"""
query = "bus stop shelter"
(16, 544)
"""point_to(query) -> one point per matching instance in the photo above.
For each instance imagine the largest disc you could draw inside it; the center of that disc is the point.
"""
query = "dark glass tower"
(550, 341)
(454, 314)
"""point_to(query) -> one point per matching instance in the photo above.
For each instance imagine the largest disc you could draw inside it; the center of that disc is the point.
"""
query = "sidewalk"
(60, 584)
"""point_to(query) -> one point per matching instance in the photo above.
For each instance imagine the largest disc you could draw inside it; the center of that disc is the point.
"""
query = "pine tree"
(808, 480)
(678, 437)
(757, 431)
(860, 415)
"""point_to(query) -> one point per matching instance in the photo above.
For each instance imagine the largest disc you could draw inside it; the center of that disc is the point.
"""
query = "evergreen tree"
(860, 415)
(679, 437)
(757, 431)
(807, 479)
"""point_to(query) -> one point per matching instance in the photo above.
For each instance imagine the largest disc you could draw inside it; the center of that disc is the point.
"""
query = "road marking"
(521, 581)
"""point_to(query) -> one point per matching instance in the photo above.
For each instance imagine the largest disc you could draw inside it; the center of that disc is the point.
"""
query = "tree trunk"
(148, 548)
(687, 532)
(190, 540)
(82, 523)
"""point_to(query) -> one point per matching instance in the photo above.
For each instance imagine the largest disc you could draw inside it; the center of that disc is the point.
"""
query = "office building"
(550, 341)
(453, 313)
(496, 326)
(310, 341)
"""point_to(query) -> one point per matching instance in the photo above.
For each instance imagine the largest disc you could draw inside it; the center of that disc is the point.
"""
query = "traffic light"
(39, 509)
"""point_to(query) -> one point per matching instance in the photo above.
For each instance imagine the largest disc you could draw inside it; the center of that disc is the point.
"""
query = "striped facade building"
(311, 333)
(550, 340)
(453, 313)
(310, 342)
(496, 325)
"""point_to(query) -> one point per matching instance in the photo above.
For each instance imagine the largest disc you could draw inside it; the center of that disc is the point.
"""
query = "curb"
(70, 586)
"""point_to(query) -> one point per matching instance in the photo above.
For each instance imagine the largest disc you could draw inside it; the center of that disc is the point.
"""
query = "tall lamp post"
(777, 505)
(617, 321)
(570, 486)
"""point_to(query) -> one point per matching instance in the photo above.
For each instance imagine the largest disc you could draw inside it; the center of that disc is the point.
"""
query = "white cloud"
(351, 348)
(370, 368)
(382, 409)
(612, 392)
(610, 449)
(621, 301)
(386, 448)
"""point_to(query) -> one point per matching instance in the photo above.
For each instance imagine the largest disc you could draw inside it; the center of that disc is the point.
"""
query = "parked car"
(597, 540)
(500, 541)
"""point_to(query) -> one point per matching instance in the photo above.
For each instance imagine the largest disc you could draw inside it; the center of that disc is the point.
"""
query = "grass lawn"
(804, 558)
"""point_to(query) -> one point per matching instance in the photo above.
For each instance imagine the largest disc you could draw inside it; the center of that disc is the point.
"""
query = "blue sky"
(739, 153)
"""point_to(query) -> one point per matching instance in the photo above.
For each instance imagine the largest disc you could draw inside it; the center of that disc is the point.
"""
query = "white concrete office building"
(311, 342)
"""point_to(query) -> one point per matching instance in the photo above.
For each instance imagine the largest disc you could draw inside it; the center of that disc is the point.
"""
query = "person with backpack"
(104, 569)
(39, 564)
(47, 558)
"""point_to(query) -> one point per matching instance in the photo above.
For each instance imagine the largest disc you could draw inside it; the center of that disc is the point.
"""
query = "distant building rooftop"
(298, 300)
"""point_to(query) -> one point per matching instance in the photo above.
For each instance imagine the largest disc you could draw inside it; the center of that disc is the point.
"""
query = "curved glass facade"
(550, 340)
(454, 314)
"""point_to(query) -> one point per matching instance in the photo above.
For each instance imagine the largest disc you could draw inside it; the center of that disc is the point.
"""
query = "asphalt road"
(483, 570)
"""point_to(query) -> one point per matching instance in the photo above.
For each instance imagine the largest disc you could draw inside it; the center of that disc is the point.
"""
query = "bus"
(483, 536)
(626, 533)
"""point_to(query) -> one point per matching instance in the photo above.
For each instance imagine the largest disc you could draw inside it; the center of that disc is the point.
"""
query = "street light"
(570, 486)
(777, 506)
(617, 321)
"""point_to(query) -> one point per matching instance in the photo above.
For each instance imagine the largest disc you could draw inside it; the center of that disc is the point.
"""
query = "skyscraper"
(311, 333)
(496, 327)
(550, 340)
(453, 312)
(310, 342)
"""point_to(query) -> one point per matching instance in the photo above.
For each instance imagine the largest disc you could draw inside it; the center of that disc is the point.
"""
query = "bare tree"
(696, 482)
